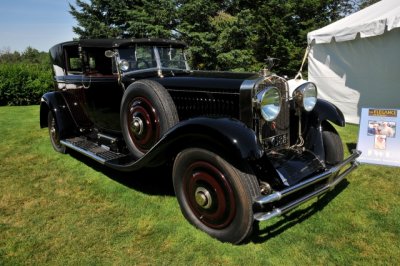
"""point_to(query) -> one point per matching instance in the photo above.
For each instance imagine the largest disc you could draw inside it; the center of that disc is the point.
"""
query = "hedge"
(24, 84)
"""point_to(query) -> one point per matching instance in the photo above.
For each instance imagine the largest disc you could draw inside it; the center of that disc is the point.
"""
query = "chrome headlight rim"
(305, 96)
(123, 65)
(270, 103)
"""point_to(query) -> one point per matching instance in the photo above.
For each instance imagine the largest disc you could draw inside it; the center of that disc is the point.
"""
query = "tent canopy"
(355, 61)
(368, 22)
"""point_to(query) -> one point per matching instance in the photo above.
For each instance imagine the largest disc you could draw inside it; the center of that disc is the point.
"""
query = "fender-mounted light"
(305, 96)
(123, 65)
(269, 100)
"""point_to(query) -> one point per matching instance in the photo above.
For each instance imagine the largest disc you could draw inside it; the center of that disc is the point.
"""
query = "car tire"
(215, 196)
(54, 134)
(147, 113)
(333, 145)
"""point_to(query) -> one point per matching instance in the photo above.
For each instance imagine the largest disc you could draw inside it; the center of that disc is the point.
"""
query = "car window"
(96, 63)
(73, 60)
(145, 57)
(172, 57)
(138, 58)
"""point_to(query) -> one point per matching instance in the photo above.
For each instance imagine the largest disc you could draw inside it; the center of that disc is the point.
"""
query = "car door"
(103, 93)
(71, 85)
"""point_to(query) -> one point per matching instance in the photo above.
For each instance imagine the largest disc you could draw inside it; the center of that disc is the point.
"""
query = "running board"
(91, 149)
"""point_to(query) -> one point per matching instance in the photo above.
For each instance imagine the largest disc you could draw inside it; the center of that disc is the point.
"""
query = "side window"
(73, 60)
(96, 63)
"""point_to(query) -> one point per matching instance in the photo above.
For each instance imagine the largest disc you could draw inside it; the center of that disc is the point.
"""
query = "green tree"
(7, 57)
(100, 18)
(223, 35)
(196, 29)
(123, 18)
(231, 53)
(152, 19)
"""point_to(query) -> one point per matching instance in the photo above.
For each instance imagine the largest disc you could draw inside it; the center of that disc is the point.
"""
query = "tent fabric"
(368, 22)
(353, 71)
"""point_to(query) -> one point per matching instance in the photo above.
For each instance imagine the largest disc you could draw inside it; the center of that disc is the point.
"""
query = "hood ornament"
(270, 62)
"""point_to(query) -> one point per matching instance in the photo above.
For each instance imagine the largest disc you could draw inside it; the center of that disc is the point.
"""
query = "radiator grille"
(202, 103)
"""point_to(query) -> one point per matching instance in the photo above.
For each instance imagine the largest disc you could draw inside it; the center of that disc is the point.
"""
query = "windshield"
(171, 57)
(149, 57)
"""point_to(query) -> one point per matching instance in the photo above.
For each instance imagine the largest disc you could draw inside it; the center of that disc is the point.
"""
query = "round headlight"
(270, 103)
(124, 65)
(306, 96)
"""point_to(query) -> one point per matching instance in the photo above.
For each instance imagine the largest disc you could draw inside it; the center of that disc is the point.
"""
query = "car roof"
(114, 43)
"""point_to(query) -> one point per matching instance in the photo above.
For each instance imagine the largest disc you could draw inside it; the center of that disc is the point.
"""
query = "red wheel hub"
(143, 123)
(209, 194)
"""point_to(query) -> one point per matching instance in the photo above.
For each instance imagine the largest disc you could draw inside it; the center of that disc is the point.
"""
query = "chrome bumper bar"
(333, 179)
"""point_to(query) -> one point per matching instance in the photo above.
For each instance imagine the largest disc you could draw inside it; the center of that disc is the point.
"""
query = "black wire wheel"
(215, 196)
(54, 134)
(147, 112)
(333, 145)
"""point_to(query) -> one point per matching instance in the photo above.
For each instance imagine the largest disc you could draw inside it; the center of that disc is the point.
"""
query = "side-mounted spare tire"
(147, 112)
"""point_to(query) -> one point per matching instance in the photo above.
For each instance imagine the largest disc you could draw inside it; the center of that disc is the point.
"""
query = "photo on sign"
(384, 128)
(380, 142)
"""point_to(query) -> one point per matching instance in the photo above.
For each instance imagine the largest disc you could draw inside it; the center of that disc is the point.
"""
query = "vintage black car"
(242, 148)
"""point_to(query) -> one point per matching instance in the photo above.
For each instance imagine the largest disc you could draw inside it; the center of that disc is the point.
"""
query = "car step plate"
(91, 149)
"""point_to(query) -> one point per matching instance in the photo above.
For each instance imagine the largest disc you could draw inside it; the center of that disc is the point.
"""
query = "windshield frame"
(156, 61)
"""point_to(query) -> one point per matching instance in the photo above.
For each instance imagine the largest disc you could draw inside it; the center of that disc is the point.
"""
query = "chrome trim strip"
(82, 151)
(276, 196)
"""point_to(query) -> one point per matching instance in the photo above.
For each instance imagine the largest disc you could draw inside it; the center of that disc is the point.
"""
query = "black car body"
(243, 148)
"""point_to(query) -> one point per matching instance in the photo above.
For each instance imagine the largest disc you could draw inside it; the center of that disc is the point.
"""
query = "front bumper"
(332, 177)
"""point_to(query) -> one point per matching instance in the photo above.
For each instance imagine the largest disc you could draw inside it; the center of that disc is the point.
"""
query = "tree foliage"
(124, 18)
(222, 35)
(24, 77)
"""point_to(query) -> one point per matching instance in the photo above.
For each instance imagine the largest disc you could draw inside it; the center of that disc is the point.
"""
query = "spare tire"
(147, 112)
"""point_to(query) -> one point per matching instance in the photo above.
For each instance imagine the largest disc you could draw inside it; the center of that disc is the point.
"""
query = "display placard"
(378, 138)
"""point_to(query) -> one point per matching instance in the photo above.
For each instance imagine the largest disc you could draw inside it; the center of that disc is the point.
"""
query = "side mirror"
(109, 53)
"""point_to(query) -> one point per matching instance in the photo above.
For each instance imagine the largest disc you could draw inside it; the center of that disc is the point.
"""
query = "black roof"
(114, 43)
(57, 50)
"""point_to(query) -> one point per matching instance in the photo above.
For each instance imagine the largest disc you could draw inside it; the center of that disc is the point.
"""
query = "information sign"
(378, 138)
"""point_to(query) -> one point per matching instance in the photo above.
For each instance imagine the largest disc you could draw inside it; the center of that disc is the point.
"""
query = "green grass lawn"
(65, 209)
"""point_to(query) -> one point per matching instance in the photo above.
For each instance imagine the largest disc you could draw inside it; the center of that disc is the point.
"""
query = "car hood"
(204, 80)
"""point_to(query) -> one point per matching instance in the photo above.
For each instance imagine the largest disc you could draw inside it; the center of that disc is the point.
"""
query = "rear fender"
(55, 102)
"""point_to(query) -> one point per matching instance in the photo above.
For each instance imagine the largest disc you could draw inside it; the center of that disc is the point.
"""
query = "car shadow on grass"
(152, 181)
(294, 217)
(158, 181)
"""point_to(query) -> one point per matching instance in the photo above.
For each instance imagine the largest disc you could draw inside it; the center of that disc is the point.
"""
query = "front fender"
(55, 102)
(227, 137)
(325, 110)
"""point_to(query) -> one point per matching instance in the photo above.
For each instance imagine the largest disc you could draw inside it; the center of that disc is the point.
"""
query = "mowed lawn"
(67, 210)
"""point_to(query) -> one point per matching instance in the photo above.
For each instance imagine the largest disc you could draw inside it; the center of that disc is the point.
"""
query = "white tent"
(356, 61)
